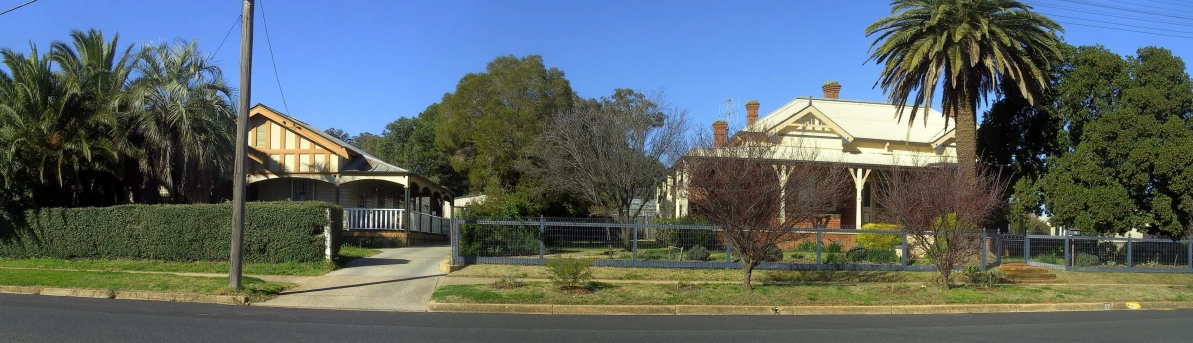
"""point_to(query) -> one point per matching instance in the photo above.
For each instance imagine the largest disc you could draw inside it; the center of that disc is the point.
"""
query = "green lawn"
(255, 288)
(865, 294)
(347, 253)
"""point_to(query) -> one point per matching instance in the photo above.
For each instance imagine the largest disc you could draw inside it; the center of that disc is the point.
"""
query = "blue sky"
(357, 65)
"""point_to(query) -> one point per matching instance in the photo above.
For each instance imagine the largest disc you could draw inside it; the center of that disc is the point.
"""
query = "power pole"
(242, 129)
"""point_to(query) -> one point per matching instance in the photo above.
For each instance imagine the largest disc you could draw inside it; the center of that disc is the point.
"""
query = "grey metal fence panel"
(648, 244)
(1097, 254)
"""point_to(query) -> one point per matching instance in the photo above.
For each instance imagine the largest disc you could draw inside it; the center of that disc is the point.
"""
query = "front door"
(867, 204)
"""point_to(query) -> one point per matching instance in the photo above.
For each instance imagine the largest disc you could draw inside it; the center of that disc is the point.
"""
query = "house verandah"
(864, 138)
(290, 160)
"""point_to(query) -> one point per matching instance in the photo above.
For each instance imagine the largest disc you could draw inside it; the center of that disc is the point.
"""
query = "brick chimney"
(720, 132)
(832, 90)
(751, 112)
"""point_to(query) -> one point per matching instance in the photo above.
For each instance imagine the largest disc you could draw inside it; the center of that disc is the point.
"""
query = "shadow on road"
(370, 261)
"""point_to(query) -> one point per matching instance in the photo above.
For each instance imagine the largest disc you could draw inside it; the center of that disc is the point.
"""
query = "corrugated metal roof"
(365, 162)
(865, 120)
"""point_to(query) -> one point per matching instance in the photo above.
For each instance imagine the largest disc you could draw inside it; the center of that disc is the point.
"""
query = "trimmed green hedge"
(274, 232)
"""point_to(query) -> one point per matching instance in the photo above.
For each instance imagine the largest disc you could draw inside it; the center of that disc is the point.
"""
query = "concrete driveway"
(400, 279)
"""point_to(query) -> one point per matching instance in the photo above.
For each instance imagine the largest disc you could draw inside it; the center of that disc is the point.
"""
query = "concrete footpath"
(400, 279)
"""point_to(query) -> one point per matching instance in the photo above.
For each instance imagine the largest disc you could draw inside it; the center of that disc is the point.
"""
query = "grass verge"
(352, 252)
(347, 253)
(256, 289)
(796, 295)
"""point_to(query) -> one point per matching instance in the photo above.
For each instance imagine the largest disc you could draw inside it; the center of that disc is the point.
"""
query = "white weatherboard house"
(291, 160)
(864, 136)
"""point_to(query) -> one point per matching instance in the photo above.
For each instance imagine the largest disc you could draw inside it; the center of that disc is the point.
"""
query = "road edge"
(127, 295)
(434, 306)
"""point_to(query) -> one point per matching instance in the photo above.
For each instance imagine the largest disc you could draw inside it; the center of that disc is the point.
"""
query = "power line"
(1114, 23)
(234, 23)
(1114, 15)
(1170, 3)
(18, 6)
(1128, 9)
(271, 59)
(1151, 6)
(1122, 29)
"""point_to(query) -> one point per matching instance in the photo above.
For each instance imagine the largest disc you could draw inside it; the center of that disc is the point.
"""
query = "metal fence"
(1098, 254)
(644, 244)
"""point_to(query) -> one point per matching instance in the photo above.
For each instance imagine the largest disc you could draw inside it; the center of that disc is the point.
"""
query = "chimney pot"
(751, 112)
(720, 132)
(832, 89)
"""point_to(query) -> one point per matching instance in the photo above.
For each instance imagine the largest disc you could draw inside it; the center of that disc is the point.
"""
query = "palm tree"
(183, 119)
(102, 69)
(968, 46)
(47, 132)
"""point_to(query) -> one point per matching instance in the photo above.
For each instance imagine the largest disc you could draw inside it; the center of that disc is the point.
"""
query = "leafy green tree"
(410, 143)
(492, 118)
(967, 48)
(1130, 133)
(338, 134)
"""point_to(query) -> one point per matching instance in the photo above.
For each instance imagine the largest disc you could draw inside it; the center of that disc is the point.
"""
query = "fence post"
(635, 238)
(1189, 245)
(456, 242)
(542, 234)
(905, 250)
(728, 249)
(1026, 249)
(1130, 256)
(998, 248)
(1068, 258)
(819, 242)
(984, 248)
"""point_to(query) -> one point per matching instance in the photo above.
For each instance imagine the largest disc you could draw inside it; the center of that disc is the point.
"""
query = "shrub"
(508, 281)
(684, 238)
(856, 254)
(274, 232)
(806, 246)
(1086, 260)
(882, 256)
(570, 273)
(833, 247)
(879, 241)
(982, 278)
(772, 254)
(834, 258)
(1048, 258)
(497, 241)
(698, 253)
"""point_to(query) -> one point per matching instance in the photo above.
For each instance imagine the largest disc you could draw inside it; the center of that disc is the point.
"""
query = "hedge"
(274, 232)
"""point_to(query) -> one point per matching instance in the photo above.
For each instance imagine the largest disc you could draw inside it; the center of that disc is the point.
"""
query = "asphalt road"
(31, 318)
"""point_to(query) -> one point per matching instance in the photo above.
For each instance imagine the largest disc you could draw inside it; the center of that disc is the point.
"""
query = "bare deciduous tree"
(739, 186)
(942, 209)
(614, 150)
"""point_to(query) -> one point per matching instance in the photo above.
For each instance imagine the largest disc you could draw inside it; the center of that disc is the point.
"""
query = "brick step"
(1027, 273)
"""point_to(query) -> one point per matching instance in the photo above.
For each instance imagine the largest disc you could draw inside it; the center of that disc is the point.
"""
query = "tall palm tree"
(46, 128)
(183, 119)
(103, 69)
(967, 47)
